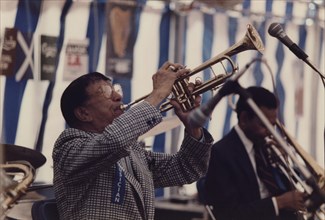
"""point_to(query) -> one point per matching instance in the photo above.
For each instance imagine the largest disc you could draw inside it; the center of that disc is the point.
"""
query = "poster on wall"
(121, 34)
(76, 59)
(8, 54)
(48, 57)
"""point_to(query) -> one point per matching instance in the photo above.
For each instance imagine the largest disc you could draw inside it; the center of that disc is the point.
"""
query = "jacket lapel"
(244, 163)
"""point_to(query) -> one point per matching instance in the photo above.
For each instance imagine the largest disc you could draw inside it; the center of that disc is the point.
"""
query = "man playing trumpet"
(101, 171)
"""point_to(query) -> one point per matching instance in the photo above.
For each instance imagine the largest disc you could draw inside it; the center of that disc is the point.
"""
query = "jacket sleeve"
(77, 153)
(184, 167)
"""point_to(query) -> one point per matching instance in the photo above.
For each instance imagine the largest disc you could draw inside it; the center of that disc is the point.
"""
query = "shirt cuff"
(275, 205)
(202, 139)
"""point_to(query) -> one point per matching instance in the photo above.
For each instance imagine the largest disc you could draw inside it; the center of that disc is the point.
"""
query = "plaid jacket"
(111, 175)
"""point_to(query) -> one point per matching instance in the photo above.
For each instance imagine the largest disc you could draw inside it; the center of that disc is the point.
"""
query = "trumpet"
(180, 91)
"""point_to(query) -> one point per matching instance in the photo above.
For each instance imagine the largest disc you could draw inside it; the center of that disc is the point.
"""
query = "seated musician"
(239, 183)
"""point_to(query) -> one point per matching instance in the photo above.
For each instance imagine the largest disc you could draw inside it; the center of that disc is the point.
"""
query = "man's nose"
(116, 96)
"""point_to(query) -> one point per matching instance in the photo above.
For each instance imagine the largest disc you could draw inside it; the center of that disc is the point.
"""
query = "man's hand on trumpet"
(196, 132)
(163, 81)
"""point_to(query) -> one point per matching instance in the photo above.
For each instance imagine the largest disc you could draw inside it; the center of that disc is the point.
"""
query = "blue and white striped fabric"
(32, 118)
(14, 91)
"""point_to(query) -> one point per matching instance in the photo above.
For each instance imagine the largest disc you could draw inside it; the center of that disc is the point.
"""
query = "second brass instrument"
(180, 92)
(315, 169)
(316, 194)
(14, 190)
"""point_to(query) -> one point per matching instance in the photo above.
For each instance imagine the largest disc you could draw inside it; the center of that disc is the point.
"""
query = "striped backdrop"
(30, 114)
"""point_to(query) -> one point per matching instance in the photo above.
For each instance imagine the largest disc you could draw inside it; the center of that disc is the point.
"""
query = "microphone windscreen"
(275, 29)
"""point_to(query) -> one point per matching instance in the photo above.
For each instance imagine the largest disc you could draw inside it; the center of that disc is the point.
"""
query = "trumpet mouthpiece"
(123, 107)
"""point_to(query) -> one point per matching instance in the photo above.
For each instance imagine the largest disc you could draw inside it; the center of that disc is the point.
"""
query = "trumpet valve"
(183, 95)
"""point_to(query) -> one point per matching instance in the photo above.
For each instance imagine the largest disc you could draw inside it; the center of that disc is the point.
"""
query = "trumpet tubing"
(187, 100)
(180, 91)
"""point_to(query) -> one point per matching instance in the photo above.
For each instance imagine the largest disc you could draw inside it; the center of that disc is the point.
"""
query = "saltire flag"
(25, 23)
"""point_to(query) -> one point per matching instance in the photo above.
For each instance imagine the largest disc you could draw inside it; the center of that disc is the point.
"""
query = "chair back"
(200, 186)
(45, 210)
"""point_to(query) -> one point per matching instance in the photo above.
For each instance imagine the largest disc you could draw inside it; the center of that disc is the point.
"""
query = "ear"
(244, 119)
(82, 114)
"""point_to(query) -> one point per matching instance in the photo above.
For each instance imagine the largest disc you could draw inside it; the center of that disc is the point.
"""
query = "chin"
(117, 113)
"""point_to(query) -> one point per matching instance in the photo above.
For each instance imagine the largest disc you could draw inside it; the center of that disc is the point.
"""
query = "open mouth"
(118, 110)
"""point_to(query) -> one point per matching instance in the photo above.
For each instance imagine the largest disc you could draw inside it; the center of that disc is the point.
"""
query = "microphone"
(276, 30)
(200, 115)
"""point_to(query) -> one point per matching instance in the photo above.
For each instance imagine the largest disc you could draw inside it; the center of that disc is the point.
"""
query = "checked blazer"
(111, 176)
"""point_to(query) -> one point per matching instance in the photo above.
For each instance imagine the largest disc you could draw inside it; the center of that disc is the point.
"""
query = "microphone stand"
(314, 68)
(317, 197)
(322, 76)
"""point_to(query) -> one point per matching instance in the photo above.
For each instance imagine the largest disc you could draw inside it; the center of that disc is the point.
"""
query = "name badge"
(118, 186)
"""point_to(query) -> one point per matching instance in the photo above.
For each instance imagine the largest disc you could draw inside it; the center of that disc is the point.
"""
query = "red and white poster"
(76, 61)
